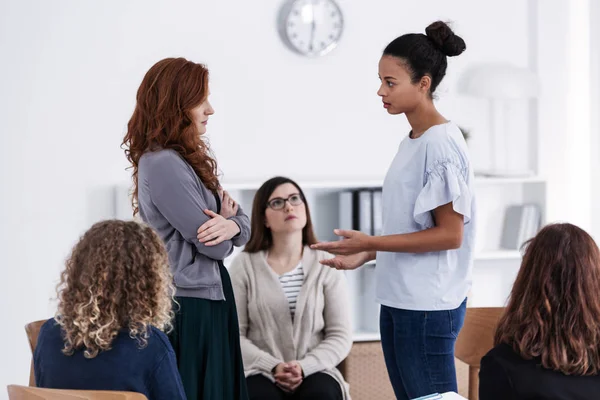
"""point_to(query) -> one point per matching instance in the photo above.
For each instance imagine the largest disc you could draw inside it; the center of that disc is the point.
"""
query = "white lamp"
(499, 84)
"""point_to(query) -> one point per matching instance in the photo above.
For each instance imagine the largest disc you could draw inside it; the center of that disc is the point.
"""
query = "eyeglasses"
(278, 203)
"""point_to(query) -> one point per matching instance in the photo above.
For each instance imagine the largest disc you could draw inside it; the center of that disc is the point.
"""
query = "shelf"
(254, 184)
(309, 184)
(498, 255)
(483, 255)
(366, 336)
(494, 180)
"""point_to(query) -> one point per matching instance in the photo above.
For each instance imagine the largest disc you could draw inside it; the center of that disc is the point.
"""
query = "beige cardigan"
(320, 336)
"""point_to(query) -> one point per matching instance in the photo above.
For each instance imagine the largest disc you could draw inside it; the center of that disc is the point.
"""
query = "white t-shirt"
(427, 172)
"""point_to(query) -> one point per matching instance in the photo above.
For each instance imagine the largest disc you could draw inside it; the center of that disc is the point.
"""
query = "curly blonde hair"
(116, 278)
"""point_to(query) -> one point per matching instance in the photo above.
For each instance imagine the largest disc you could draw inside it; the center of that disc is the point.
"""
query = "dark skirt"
(206, 341)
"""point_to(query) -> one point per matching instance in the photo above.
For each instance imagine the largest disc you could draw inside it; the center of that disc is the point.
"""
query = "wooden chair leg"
(473, 383)
(31, 375)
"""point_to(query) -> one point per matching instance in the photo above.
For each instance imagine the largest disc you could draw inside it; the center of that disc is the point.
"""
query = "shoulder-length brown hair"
(116, 278)
(260, 236)
(162, 120)
(554, 308)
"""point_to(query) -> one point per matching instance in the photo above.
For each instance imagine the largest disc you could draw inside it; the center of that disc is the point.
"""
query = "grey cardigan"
(172, 200)
(319, 337)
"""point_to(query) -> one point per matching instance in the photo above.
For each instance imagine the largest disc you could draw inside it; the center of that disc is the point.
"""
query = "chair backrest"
(16, 392)
(33, 331)
(475, 339)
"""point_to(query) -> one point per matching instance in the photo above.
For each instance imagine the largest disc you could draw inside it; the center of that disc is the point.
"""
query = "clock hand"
(312, 27)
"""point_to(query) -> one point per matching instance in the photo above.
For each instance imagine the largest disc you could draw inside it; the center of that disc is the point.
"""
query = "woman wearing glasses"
(293, 311)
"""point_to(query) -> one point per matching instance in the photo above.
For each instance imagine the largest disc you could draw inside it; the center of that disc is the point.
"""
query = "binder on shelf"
(377, 212)
(346, 211)
(356, 210)
(521, 223)
(364, 211)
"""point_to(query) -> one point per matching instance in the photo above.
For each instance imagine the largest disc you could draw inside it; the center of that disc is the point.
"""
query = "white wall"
(568, 156)
(67, 87)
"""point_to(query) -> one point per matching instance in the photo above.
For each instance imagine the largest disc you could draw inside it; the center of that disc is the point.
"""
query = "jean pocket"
(456, 319)
(453, 324)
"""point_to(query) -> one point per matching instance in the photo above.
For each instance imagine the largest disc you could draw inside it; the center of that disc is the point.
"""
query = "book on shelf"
(377, 212)
(521, 223)
(361, 210)
(364, 211)
(346, 210)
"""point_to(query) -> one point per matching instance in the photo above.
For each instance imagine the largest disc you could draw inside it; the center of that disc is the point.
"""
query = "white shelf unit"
(494, 268)
(366, 336)
(367, 182)
(493, 196)
(497, 255)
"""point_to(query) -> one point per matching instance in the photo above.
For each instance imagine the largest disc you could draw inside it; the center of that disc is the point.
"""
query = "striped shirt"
(292, 282)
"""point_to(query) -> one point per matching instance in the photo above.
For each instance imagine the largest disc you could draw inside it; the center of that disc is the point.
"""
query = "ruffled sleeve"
(445, 182)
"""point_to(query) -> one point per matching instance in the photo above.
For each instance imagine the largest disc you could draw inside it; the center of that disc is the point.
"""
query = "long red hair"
(162, 119)
(554, 310)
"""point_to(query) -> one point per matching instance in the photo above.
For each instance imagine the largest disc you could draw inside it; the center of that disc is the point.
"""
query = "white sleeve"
(445, 182)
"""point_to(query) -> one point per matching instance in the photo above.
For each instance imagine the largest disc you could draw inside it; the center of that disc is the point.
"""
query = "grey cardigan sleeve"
(244, 223)
(175, 191)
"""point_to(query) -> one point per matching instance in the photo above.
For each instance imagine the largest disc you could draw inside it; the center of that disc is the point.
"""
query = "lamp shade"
(499, 81)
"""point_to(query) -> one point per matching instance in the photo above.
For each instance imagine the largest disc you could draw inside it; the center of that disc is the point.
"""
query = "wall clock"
(311, 28)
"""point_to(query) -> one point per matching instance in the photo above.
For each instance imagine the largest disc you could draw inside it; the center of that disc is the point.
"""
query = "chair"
(16, 392)
(364, 370)
(33, 331)
(475, 339)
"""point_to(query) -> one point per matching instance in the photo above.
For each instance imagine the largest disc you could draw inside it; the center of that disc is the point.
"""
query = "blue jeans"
(418, 347)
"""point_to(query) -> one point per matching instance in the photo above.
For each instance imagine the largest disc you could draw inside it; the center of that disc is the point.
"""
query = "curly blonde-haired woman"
(115, 300)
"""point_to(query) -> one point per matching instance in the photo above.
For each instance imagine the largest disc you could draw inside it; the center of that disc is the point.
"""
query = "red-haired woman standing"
(176, 190)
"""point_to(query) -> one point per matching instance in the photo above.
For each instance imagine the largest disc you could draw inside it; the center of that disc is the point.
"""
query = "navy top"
(505, 375)
(151, 370)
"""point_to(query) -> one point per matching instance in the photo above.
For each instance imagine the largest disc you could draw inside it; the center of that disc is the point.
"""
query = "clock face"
(311, 27)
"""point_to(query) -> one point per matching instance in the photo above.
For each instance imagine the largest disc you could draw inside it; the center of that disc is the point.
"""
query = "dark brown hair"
(260, 236)
(116, 278)
(554, 308)
(162, 120)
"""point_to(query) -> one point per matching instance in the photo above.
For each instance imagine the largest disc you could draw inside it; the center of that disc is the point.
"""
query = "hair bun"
(444, 39)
